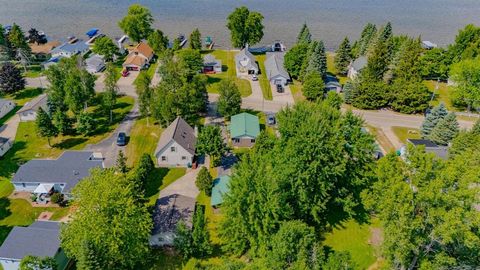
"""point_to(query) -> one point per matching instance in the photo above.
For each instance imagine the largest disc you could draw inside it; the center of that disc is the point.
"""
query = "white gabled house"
(176, 147)
(29, 111)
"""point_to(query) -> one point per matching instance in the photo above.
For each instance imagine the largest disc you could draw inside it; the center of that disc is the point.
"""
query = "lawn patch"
(143, 139)
(262, 78)
(159, 179)
(404, 133)
(297, 92)
(442, 94)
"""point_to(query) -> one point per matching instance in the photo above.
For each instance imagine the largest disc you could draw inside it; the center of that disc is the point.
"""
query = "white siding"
(6, 108)
(30, 187)
(10, 264)
(29, 115)
(178, 158)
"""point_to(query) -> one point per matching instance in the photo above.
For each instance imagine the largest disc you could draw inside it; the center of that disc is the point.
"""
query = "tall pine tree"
(318, 60)
(445, 130)
(366, 38)
(304, 36)
(343, 57)
(432, 119)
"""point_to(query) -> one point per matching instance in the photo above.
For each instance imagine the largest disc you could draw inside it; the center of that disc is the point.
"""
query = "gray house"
(41, 239)
(274, 69)
(245, 63)
(45, 176)
(169, 211)
(356, 66)
(176, 147)
(430, 147)
(94, 64)
(29, 111)
(211, 64)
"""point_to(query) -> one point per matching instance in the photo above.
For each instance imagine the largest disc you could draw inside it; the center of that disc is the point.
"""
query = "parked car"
(254, 77)
(280, 88)
(125, 73)
(121, 139)
(271, 120)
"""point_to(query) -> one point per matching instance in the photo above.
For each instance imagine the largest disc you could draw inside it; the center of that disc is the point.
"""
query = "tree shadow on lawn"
(9, 163)
(337, 217)
(28, 93)
(70, 143)
(212, 79)
(155, 181)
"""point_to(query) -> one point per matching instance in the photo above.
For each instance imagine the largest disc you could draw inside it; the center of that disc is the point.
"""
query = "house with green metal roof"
(221, 186)
(244, 129)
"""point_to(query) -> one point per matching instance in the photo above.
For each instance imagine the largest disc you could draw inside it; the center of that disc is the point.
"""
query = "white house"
(176, 147)
(274, 69)
(29, 111)
(5, 145)
(68, 49)
(6, 106)
(211, 64)
(356, 66)
(245, 63)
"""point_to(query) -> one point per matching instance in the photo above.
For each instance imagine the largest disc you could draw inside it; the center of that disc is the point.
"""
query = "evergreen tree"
(304, 37)
(445, 130)
(386, 32)
(317, 60)
(378, 61)
(230, 100)
(476, 128)
(86, 123)
(16, 38)
(11, 79)
(409, 96)
(366, 38)
(45, 126)
(294, 59)
(407, 64)
(141, 173)
(370, 94)
(343, 57)
(334, 100)
(62, 122)
(348, 92)
(196, 40)
(200, 235)
(204, 181)
(432, 119)
(183, 240)
(313, 86)
(121, 163)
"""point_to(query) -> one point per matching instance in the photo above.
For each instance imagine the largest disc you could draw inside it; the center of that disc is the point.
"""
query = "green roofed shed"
(221, 186)
(244, 125)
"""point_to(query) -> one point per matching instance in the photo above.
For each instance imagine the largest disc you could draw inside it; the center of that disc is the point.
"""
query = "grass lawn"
(33, 71)
(404, 133)
(296, 88)
(20, 99)
(443, 94)
(356, 239)
(330, 63)
(381, 138)
(262, 78)
(159, 179)
(228, 66)
(143, 139)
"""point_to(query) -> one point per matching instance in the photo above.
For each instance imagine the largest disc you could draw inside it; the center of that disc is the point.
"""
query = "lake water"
(435, 20)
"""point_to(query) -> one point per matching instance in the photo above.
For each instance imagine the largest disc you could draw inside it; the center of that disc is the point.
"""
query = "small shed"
(94, 64)
(211, 64)
(244, 129)
(221, 186)
(332, 84)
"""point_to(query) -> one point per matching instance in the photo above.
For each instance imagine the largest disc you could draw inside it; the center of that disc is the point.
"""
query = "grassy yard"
(143, 139)
(20, 99)
(381, 138)
(159, 179)
(360, 240)
(442, 95)
(228, 66)
(296, 88)
(262, 78)
(404, 133)
(33, 71)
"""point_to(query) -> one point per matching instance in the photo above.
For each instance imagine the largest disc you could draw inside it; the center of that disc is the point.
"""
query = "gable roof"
(34, 104)
(135, 59)
(74, 48)
(245, 59)
(209, 59)
(244, 124)
(144, 49)
(431, 147)
(359, 63)
(95, 61)
(4, 102)
(181, 132)
(69, 168)
(221, 186)
(3, 140)
(169, 210)
(274, 65)
(42, 239)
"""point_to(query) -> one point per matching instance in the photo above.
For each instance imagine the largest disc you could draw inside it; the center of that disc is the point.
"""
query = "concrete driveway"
(285, 97)
(9, 129)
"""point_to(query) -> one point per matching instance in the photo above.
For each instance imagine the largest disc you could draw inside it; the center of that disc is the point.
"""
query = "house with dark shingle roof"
(168, 212)
(244, 129)
(274, 69)
(430, 147)
(176, 147)
(41, 239)
(44, 176)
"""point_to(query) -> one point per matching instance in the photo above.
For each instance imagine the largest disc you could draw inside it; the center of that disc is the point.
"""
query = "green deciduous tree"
(45, 126)
(121, 162)
(348, 92)
(409, 96)
(196, 40)
(138, 23)
(190, 62)
(427, 210)
(183, 240)
(62, 122)
(313, 86)
(431, 120)
(204, 181)
(109, 97)
(334, 100)
(158, 41)
(445, 130)
(105, 46)
(339, 261)
(230, 100)
(110, 221)
(245, 27)
(435, 64)
(466, 75)
(294, 59)
(140, 174)
(210, 142)
(145, 95)
(466, 44)
(343, 57)
(16, 38)
(36, 263)
(11, 79)
(86, 124)
(304, 36)
(200, 235)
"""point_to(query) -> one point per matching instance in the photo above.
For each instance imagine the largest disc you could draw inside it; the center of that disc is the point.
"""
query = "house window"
(236, 140)
(164, 158)
(252, 140)
(172, 149)
(184, 158)
(23, 185)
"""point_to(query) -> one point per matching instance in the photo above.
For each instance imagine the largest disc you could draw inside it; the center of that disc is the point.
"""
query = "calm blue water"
(435, 20)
